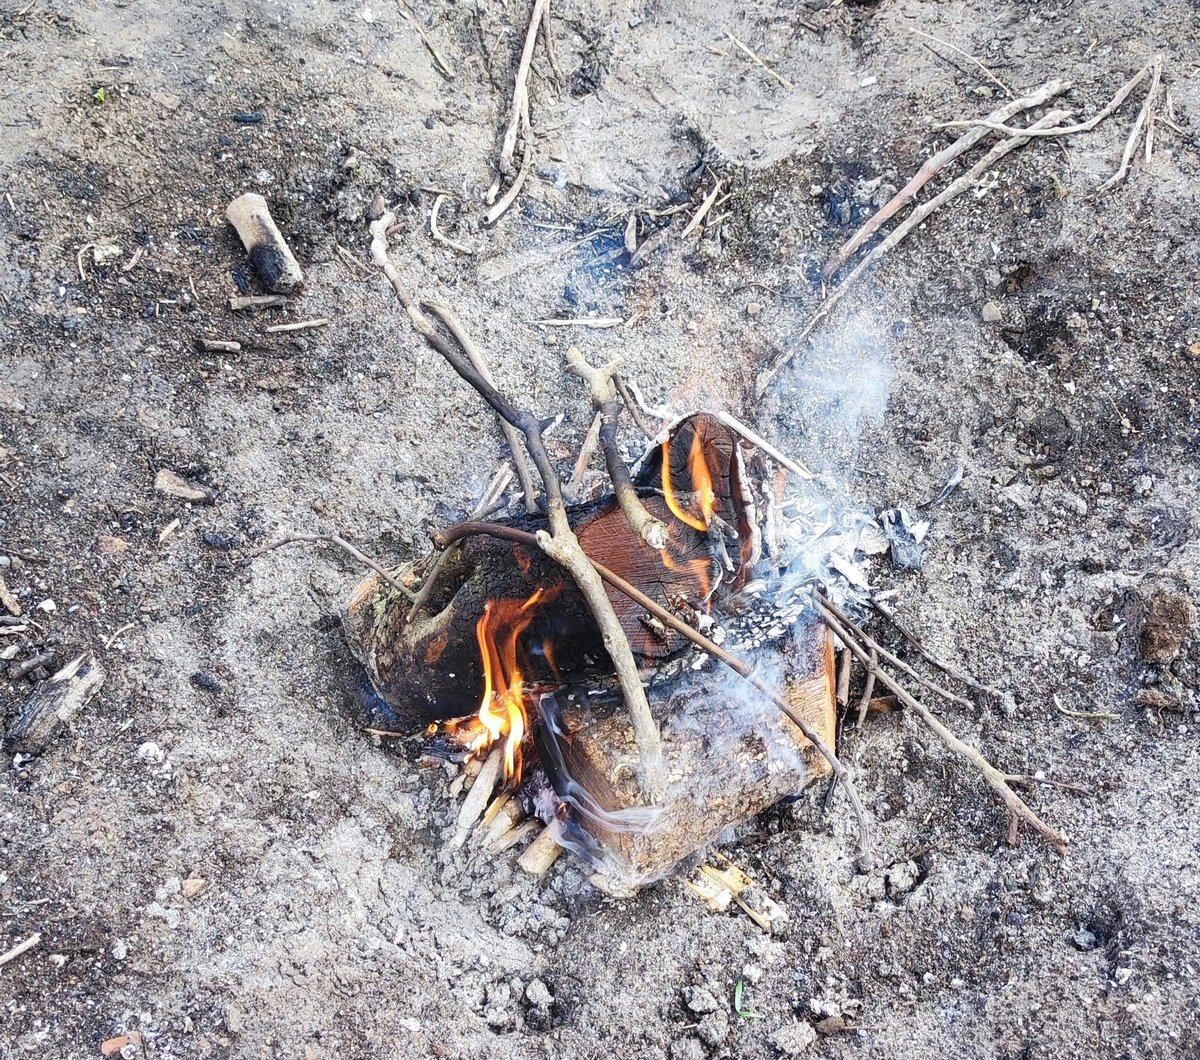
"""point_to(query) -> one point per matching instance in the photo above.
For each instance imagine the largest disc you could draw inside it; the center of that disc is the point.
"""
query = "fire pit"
(504, 653)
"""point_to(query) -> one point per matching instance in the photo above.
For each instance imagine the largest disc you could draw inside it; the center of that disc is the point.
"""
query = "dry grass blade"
(758, 60)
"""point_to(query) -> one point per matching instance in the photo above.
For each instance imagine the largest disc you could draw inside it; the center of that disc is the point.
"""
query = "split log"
(55, 702)
(729, 755)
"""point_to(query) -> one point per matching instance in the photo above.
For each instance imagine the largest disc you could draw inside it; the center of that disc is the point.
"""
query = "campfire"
(637, 673)
(505, 658)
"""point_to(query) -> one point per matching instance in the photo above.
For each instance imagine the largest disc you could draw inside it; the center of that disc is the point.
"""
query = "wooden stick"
(651, 531)
(969, 57)
(444, 538)
(543, 852)
(478, 797)
(897, 662)
(647, 426)
(559, 542)
(345, 546)
(950, 671)
(494, 213)
(964, 183)
(20, 948)
(868, 688)
(1138, 126)
(518, 118)
(759, 442)
(515, 444)
(935, 165)
(440, 236)
(440, 64)
(996, 779)
(590, 441)
(992, 124)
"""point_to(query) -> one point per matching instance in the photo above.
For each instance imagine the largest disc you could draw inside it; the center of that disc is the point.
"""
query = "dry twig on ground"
(936, 164)
(511, 434)
(559, 542)
(963, 183)
(861, 645)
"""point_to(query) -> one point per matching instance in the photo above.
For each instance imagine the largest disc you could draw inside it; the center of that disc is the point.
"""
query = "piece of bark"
(55, 702)
(175, 485)
(272, 257)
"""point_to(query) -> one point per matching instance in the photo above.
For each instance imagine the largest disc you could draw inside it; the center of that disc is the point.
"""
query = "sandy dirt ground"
(214, 852)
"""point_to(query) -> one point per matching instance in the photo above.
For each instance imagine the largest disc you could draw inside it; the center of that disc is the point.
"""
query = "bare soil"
(227, 744)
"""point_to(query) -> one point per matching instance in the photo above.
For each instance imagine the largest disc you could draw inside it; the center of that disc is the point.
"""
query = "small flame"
(502, 709)
(702, 485)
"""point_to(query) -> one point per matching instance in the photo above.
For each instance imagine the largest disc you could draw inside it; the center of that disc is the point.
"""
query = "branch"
(446, 315)
(334, 539)
(446, 537)
(604, 399)
(964, 183)
(855, 639)
(560, 542)
(939, 162)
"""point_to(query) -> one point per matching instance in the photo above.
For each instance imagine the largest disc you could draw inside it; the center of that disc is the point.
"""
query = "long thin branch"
(950, 671)
(936, 164)
(560, 542)
(900, 664)
(992, 124)
(645, 425)
(1142, 124)
(446, 537)
(345, 546)
(446, 315)
(964, 183)
(855, 639)
(605, 401)
(518, 119)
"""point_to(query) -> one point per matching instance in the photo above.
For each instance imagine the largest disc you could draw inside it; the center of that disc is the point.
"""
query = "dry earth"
(330, 922)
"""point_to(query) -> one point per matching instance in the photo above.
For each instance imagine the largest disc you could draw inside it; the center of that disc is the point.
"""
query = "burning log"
(506, 647)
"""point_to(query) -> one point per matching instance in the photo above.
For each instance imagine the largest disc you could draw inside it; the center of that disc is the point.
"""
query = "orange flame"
(502, 708)
(702, 485)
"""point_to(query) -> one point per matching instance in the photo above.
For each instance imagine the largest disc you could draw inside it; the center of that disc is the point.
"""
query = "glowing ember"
(502, 709)
(702, 485)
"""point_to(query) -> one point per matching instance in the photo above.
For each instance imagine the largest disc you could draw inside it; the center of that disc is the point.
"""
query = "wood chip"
(300, 325)
(55, 702)
(219, 345)
(175, 485)
(257, 301)
(7, 599)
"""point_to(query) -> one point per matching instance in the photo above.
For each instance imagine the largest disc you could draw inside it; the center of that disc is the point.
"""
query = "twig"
(760, 61)
(604, 399)
(1142, 124)
(300, 325)
(935, 165)
(559, 542)
(595, 323)
(993, 123)
(515, 444)
(759, 442)
(701, 213)
(440, 64)
(494, 213)
(963, 183)
(868, 688)
(630, 391)
(645, 425)
(996, 779)
(438, 235)
(113, 639)
(969, 57)
(446, 537)
(342, 543)
(590, 441)
(486, 503)
(518, 119)
(900, 664)
(950, 671)
(21, 947)
(1086, 715)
